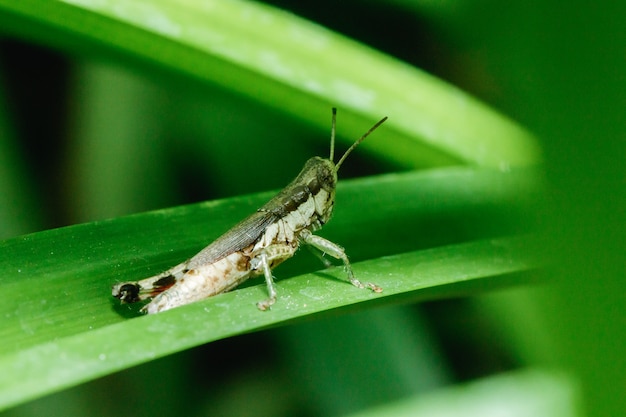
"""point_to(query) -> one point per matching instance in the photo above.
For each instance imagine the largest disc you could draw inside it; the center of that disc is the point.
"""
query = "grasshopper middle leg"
(268, 258)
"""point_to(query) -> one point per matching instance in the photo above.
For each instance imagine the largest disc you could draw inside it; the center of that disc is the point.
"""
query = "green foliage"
(235, 95)
(63, 326)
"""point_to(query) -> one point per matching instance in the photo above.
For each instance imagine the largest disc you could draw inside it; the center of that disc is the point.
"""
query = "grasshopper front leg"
(337, 252)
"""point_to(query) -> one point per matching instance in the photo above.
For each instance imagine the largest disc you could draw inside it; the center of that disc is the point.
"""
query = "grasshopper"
(257, 244)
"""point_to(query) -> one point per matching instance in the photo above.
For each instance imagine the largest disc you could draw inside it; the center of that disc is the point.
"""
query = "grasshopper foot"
(369, 285)
(266, 304)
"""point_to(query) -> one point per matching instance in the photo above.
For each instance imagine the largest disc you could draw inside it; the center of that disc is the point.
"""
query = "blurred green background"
(74, 128)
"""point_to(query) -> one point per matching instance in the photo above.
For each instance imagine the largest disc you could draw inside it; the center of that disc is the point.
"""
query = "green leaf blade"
(63, 327)
(299, 68)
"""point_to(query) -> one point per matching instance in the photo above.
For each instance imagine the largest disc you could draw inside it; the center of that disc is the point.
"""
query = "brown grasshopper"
(257, 244)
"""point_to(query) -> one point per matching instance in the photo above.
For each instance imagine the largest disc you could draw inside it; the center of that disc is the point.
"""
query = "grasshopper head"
(319, 175)
(326, 170)
(315, 185)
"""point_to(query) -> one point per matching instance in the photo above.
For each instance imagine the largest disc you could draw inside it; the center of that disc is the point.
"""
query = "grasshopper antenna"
(332, 134)
(355, 144)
